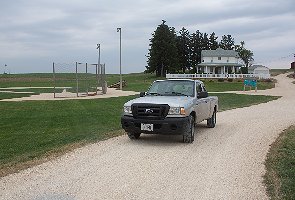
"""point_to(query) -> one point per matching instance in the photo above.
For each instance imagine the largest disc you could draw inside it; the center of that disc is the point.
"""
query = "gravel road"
(223, 163)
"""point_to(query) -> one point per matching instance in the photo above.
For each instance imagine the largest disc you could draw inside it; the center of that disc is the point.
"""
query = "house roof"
(219, 52)
(255, 66)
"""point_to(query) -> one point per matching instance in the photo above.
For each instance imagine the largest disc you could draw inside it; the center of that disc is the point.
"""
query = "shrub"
(230, 80)
(220, 80)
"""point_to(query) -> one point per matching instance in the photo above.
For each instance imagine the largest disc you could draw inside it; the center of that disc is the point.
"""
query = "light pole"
(119, 30)
(98, 65)
(98, 47)
(5, 66)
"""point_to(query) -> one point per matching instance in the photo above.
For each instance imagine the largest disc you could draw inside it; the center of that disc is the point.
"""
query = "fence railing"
(225, 76)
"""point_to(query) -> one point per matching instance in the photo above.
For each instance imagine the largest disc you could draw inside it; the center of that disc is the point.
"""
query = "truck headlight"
(127, 109)
(176, 111)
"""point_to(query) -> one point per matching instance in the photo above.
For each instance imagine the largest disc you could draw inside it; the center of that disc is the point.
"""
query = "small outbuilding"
(258, 69)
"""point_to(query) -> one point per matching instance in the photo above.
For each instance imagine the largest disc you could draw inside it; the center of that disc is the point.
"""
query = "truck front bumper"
(167, 126)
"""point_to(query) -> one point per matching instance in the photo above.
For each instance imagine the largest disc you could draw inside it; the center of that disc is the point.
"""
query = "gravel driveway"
(223, 163)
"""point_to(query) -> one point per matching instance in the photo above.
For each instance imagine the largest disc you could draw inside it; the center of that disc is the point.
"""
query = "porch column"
(233, 69)
(213, 69)
(197, 69)
(206, 69)
(223, 69)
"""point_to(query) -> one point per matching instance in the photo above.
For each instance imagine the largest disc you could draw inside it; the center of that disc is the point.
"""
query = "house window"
(202, 60)
(211, 60)
(227, 61)
(219, 58)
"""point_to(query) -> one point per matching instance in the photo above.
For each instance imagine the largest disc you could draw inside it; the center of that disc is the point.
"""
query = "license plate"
(147, 127)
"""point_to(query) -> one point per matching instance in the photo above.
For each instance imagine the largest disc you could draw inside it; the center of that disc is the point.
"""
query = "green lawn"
(234, 86)
(141, 82)
(31, 129)
(275, 72)
(13, 95)
(280, 167)
(231, 101)
(135, 82)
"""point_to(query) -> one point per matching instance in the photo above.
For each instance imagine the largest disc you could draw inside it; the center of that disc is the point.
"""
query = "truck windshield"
(172, 88)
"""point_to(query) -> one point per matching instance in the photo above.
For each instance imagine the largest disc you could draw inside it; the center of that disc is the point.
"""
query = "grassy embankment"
(33, 130)
(280, 167)
(275, 72)
(280, 171)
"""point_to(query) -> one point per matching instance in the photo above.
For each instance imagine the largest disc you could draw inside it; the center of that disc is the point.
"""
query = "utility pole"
(119, 30)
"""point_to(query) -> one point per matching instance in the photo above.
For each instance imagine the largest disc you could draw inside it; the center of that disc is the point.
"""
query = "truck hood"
(172, 101)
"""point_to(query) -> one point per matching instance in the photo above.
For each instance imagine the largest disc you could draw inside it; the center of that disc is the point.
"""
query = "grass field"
(280, 166)
(231, 101)
(275, 72)
(141, 82)
(32, 130)
(12, 95)
(29, 130)
(135, 82)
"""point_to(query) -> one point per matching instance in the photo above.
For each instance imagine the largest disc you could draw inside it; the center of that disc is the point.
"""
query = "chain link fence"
(78, 79)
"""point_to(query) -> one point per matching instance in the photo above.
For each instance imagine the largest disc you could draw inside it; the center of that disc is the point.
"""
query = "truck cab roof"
(197, 81)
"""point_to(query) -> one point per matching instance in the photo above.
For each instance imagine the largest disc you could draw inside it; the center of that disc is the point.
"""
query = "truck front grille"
(150, 111)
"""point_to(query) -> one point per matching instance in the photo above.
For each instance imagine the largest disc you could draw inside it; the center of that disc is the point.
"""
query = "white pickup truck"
(170, 107)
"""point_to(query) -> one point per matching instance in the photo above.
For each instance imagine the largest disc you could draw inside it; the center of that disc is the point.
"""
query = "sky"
(36, 33)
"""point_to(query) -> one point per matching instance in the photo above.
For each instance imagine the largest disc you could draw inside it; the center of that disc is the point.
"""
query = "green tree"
(195, 48)
(245, 55)
(213, 43)
(205, 42)
(163, 55)
(227, 42)
(183, 47)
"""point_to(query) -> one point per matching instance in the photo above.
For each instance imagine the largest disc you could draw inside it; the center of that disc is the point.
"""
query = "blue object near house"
(252, 83)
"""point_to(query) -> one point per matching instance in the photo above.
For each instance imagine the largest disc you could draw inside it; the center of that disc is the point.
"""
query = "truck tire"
(133, 136)
(189, 134)
(212, 121)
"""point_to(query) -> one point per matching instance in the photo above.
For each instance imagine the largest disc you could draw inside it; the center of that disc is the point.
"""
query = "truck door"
(200, 105)
(207, 105)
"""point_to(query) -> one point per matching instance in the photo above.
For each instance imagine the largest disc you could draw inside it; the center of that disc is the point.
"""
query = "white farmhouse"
(219, 61)
(258, 69)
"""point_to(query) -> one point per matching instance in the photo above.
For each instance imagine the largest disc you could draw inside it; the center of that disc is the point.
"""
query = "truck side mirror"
(202, 94)
(142, 94)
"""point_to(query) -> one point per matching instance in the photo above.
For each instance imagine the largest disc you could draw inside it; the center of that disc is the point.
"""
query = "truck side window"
(203, 88)
(198, 87)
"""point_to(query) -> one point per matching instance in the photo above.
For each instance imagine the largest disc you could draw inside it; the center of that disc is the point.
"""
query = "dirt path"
(223, 163)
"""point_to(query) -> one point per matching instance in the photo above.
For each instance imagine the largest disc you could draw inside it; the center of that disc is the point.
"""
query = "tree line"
(174, 51)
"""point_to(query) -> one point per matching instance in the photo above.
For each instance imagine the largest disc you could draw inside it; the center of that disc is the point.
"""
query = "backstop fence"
(78, 79)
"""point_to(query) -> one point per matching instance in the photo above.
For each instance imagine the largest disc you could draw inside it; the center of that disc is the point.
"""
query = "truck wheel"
(189, 135)
(212, 121)
(133, 136)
